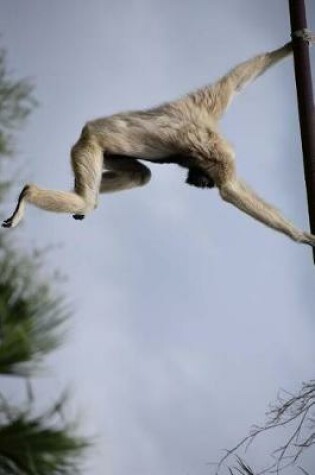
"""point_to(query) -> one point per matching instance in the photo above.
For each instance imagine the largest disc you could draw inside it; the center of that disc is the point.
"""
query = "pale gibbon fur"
(184, 131)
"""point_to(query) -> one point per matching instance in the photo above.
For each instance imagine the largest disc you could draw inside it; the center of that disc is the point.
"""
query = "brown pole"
(305, 98)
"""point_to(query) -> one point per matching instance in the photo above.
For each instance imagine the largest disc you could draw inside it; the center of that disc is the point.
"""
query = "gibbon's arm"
(238, 193)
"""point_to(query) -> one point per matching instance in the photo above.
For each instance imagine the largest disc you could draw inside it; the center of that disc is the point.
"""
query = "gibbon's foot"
(78, 217)
(7, 223)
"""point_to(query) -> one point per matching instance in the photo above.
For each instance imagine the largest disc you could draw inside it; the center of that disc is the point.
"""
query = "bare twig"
(297, 410)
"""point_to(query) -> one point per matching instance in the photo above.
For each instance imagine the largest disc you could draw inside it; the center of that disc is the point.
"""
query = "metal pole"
(305, 97)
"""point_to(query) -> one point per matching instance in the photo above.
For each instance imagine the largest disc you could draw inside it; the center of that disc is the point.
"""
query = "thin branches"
(295, 412)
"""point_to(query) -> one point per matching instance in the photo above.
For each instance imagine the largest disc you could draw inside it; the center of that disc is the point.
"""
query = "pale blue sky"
(189, 316)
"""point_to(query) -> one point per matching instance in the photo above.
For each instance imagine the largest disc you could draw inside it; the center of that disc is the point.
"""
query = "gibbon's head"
(198, 178)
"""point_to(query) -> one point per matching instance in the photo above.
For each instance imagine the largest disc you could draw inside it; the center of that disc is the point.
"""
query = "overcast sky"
(188, 315)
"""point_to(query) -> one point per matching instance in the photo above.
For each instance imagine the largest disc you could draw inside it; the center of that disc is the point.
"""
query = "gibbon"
(184, 131)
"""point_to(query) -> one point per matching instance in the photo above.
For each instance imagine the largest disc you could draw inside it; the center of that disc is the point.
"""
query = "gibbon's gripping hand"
(306, 35)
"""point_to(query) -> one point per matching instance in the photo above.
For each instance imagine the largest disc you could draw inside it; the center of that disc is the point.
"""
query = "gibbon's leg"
(87, 162)
(123, 173)
(219, 95)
